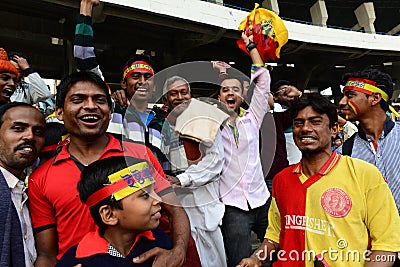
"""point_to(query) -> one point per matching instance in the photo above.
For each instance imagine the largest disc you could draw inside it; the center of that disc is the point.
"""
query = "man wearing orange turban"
(8, 77)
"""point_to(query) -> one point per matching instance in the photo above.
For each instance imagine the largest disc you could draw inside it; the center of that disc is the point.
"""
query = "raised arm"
(83, 44)
(260, 75)
(38, 89)
(251, 46)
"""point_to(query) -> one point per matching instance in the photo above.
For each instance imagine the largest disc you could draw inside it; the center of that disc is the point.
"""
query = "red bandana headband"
(137, 66)
(367, 87)
(124, 183)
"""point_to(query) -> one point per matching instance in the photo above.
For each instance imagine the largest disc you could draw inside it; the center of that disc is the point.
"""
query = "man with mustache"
(8, 77)
(22, 130)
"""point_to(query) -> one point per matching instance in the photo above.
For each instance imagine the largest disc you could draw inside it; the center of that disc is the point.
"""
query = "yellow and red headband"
(367, 87)
(136, 66)
(124, 183)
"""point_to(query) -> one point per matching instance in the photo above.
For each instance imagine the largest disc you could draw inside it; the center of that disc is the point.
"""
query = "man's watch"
(251, 46)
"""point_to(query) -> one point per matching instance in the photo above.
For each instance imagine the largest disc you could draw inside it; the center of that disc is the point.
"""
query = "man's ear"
(108, 215)
(334, 130)
(59, 113)
(123, 83)
(376, 98)
(164, 100)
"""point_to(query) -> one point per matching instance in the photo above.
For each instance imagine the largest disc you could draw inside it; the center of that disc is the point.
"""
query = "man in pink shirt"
(242, 186)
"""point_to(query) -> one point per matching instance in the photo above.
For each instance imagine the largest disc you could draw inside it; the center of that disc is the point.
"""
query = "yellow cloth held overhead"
(268, 30)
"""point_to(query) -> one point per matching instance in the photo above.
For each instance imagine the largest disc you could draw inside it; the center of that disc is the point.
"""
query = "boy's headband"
(124, 183)
(367, 87)
(137, 66)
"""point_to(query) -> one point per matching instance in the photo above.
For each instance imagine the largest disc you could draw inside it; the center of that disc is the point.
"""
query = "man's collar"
(11, 179)
(113, 144)
(328, 166)
(387, 127)
(92, 244)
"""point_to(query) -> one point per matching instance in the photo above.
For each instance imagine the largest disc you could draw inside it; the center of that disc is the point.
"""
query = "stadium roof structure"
(341, 12)
(43, 30)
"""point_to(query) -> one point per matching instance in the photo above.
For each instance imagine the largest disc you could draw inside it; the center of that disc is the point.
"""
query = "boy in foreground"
(120, 194)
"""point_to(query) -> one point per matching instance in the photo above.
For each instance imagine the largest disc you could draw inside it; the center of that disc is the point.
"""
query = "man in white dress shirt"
(21, 139)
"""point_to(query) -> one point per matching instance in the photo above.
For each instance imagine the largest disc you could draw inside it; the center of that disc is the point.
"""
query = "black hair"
(245, 79)
(67, 82)
(7, 106)
(139, 57)
(275, 86)
(95, 176)
(337, 137)
(319, 103)
(11, 55)
(53, 135)
(240, 79)
(382, 79)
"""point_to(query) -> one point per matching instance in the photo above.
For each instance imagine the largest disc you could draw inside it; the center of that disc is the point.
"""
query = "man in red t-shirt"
(59, 219)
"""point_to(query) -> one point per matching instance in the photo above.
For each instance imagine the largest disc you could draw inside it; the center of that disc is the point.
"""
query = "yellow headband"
(124, 183)
(368, 87)
(137, 66)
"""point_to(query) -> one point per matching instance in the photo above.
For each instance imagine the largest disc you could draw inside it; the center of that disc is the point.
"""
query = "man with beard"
(59, 219)
(327, 206)
(8, 78)
(21, 139)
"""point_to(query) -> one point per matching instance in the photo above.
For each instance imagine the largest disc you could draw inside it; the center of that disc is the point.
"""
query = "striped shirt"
(384, 154)
(83, 46)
